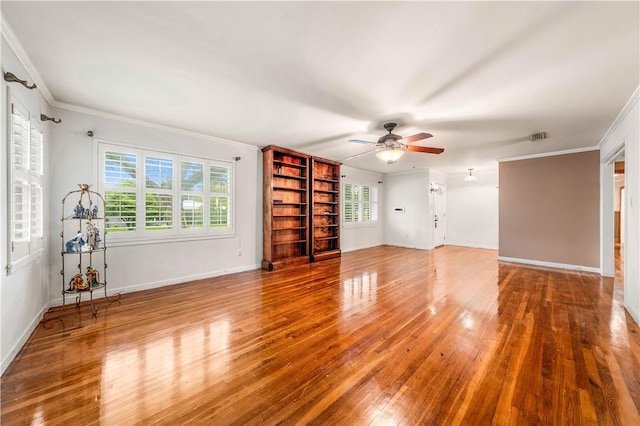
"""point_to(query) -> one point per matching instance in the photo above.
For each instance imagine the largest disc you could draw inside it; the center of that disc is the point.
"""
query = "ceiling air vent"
(538, 136)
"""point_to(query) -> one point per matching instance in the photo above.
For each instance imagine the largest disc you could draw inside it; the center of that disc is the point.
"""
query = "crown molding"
(621, 116)
(24, 59)
(550, 154)
(151, 125)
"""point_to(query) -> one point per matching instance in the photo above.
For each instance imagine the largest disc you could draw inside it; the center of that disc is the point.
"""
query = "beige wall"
(549, 209)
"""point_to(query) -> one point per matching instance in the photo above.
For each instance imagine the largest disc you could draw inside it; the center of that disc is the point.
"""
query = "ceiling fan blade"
(360, 141)
(361, 154)
(417, 137)
(426, 149)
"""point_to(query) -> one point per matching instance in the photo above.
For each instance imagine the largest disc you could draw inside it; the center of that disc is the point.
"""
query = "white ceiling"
(481, 77)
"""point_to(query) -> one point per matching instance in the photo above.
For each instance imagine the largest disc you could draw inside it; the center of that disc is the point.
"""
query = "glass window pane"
(120, 211)
(120, 169)
(365, 193)
(366, 212)
(192, 211)
(348, 194)
(191, 176)
(158, 211)
(219, 212)
(219, 179)
(348, 212)
(158, 173)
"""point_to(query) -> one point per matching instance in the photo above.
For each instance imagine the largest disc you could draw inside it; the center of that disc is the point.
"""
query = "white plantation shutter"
(348, 202)
(36, 152)
(20, 213)
(36, 211)
(120, 190)
(159, 178)
(152, 195)
(360, 203)
(192, 194)
(374, 203)
(220, 196)
(26, 159)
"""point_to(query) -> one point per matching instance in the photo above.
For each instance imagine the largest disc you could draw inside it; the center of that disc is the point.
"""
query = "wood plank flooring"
(381, 336)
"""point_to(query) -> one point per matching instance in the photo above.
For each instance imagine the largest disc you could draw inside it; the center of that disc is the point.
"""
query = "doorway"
(619, 226)
(439, 214)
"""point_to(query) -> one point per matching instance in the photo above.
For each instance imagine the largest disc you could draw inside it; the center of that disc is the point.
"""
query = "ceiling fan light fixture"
(390, 155)
(470, 177)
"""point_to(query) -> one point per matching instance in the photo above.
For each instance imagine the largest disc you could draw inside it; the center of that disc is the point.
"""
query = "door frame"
(436, 188)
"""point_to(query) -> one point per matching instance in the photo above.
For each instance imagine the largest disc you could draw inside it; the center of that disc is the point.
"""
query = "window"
(120, 190)
(26, 154)
(360, 203)
(192, 195)
(159, 198)
(220, 200)
(152, 194)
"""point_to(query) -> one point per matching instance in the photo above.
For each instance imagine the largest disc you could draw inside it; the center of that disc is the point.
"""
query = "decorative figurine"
(78, 211)
(96, 238)
(93, 236)
(74, 244)
(77, 283)
(93, 277)
(94, 212)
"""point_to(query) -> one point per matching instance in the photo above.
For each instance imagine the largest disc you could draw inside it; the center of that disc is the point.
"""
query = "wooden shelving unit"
(286, 208)
(325, 207)
(301, 217)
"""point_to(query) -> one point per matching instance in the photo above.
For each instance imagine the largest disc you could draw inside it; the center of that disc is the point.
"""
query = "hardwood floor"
(381, 336)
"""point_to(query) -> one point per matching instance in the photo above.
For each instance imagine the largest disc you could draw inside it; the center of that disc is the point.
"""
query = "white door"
(439, 215)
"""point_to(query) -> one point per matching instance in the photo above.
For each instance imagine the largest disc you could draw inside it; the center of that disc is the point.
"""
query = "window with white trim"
(152, 194)
(360, 203)
(26, 155)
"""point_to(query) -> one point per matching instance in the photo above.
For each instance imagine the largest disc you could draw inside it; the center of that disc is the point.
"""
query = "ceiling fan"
(391, 147)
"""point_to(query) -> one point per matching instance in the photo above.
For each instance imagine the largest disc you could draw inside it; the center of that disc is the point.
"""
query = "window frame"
(373, 203)
(142, 235)
(31, 177)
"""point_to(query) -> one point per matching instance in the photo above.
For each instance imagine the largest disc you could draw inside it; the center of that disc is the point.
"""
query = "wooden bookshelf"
(325, 207)
(286, 208)
(301, 212)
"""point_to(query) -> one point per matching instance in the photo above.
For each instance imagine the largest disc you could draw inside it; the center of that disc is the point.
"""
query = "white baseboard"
(162, 283)
(407, 246)
(4, 364)
(480, 246)
(360, 248)
(550, 264)
(633, 314)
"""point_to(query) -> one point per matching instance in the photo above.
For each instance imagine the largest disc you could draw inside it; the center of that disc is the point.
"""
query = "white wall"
(472, 210)
(624, 133)
(413, 227)
(24, 295)
(136, 267)
(356, 238)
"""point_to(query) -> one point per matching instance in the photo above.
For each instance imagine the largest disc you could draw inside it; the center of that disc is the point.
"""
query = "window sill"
(140, 241)
(360, 225)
